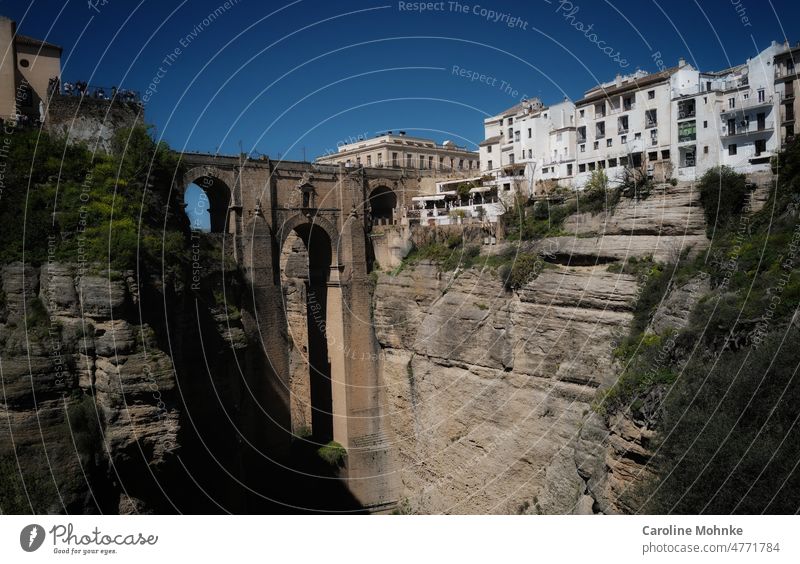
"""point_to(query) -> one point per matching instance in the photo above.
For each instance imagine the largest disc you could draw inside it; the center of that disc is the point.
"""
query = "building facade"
(787, 88)
(529, 147)
(404, 151)
(674, 124)
(27, 69)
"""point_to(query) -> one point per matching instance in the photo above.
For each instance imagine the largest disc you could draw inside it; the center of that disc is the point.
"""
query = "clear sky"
(294, 79)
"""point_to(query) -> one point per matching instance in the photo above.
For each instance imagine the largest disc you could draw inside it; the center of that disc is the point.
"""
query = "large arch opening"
(207, 200)
(382, 203)
(306, 259)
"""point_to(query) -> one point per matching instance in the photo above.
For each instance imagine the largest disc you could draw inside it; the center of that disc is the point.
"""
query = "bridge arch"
(217, 195)
(297, 221)
(312, 299)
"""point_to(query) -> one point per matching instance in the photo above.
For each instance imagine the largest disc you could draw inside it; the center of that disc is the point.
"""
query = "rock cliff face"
(91, 392)
(492, 390)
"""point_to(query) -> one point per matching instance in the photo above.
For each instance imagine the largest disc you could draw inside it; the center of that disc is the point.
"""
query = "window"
(441, 161)
(600, 109)
(591, 166)
(489, 164)
(623, 161)
(358, 161)
(569, 170)
(637, 135)
(510, 133)
(461, 163)
(369, 160)
(761, 146)
(583, 148)
(608, 142)
(394, 159)
(380, 159)
(651, 118)
(651, 95)
(708, 85)
(430, 163)
(530, 153)
(627, 103)
(582, 112)
(506, 186)
(581, 168)
(731, 127)
(612, 163)
(652, 156)
(654, 136)
(596, 145)
(601, 165)
(511, 158)
(582, 134)
(665, 154)
(530, 133)
(408, 161)
(516, 136)
(746, 96)
(622, 125)
(686, 109)
(600, 130)
(421, 161)
(687, 131)
(705, 125)
(732, 149)
(488, 150)
(558, 136)
(705, 149)
(510, 120)
(731, 103)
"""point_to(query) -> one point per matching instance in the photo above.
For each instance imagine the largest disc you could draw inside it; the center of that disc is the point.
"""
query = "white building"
(628, 123)
(749, 107)
(674, 124)
(528, 145)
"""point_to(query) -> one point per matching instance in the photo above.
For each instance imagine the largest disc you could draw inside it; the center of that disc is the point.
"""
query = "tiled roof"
(599, 93)
(33, 42)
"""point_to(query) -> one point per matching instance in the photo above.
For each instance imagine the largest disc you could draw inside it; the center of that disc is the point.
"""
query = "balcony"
(781, 72)
(622, 131)
(748, 129)
(735, 84)
(749, 104)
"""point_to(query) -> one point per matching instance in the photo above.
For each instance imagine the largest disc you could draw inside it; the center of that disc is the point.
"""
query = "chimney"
(618, 79)
(681, 62)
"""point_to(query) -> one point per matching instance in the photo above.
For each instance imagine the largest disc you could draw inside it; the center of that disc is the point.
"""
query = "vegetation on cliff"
(66, 203)
(722, 391)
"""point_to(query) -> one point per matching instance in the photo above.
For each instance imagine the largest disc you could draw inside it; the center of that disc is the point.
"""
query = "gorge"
(528, 376)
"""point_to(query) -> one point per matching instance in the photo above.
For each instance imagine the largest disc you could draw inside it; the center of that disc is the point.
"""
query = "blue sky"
(294, 79)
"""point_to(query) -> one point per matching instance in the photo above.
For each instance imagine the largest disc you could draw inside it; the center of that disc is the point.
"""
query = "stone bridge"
(259, 205)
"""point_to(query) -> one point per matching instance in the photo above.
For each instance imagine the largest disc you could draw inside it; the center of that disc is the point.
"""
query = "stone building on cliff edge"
(27, 66)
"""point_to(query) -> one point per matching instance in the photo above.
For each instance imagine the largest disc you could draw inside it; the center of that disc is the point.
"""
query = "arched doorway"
(382, 203)
(207, 201)
(305, 264)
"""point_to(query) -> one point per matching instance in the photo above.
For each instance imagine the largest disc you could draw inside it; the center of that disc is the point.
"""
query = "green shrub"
(333, 453)
(723, 195)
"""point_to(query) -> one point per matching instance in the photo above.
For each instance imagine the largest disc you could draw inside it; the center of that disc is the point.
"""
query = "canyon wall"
(492, 391)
